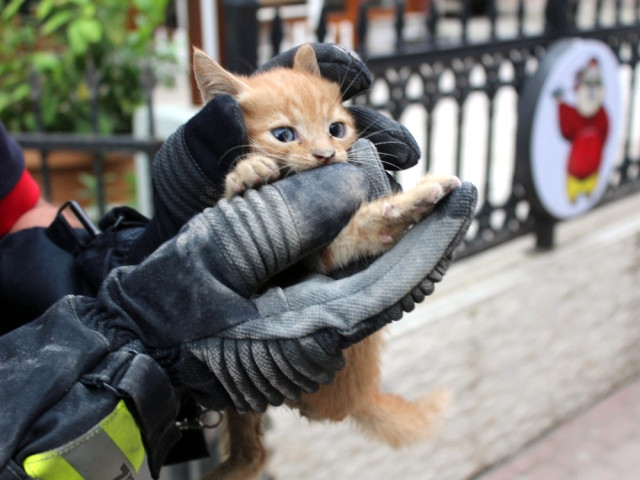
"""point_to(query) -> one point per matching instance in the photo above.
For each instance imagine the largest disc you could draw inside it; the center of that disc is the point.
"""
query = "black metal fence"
(455, 81)
(97, 146)
(453, 74)
(94, 144)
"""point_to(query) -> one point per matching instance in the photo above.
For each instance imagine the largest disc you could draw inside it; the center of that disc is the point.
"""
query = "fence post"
(277, 33)
(399, 23)
(560, 17)
(362, 28)
(544, 230)
(560, 21)
(241, 35)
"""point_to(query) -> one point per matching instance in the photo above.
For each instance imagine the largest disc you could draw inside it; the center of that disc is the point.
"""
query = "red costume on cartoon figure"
(586, 126)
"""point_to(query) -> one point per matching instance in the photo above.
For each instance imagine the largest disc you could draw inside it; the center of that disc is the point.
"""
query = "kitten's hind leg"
(246, 454)
(378, 225)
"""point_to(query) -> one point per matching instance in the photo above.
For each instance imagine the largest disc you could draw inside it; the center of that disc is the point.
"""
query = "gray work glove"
(202, 307)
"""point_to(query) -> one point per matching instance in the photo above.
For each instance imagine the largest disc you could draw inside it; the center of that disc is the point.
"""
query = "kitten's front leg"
(378, 225)
(250, 172)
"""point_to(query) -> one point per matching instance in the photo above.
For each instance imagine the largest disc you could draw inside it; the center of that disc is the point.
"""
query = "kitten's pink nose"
(325, 155)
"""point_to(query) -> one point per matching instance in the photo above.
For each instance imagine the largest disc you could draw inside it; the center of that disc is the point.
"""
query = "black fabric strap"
(68, 238)
(144, 383)
(140, 381)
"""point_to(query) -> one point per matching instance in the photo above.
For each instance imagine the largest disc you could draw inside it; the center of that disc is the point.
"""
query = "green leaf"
(44, 9)
(20, 93)
(82, 33)
(77, 42)
(57, 21)
(89, 10)
(5, 101)
(90, 29)
(44, 61)
(11, 9)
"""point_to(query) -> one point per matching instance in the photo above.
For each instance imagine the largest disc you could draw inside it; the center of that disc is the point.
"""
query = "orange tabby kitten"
(296, 121)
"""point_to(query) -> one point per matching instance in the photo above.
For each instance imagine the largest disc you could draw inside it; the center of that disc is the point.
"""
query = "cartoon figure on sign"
(586, 126)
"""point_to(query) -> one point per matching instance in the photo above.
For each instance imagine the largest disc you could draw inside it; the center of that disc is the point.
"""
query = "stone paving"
(602, 443)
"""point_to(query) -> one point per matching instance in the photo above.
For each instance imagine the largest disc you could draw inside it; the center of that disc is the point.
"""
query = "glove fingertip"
(306, 361)
(337, 63)
(272, 396)
(221, 361)
(244, 381)
(269, 368)
(394, 140)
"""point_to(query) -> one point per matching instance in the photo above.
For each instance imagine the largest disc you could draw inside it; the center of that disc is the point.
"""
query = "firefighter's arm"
(75, 408)
(91, 385)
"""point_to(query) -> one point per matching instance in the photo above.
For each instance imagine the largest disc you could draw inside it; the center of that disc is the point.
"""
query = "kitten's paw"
(249, 173)
(385, 238)
(377, 226)
(428, 192)
(436, 187)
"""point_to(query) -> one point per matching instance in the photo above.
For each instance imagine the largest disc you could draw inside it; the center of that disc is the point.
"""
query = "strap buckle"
(67, 237)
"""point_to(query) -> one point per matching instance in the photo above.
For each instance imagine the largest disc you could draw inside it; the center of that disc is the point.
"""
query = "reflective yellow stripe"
(50, 466)
(111, 449)
(123, 430)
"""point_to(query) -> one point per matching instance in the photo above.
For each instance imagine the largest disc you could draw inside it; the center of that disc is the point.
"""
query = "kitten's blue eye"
(337, 130)
(284, 134)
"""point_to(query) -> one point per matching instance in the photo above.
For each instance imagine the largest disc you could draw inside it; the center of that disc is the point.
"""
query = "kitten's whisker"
(388, 142)
(361, 133)
(231, 151)
(356, 161)
(364, 149)
(376, 181)
(353, 79)
(371, 134)
(357, 155)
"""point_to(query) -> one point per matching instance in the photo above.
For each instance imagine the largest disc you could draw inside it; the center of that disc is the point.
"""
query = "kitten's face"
(292, 115)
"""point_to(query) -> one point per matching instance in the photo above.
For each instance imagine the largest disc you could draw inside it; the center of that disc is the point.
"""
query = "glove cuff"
(190, 168)
(181, 187)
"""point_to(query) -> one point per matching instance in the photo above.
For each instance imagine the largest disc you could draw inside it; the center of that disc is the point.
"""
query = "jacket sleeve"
(66, 395)
(18, 190)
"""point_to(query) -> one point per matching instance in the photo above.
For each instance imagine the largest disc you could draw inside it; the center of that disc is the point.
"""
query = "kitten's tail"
(399, 422)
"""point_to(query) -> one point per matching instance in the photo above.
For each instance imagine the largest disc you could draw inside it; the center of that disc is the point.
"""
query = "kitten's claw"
(388, 211)
(385, 238)
(233, 185)
(436, 187)
(434, 193)
(447, 183)
(454, 182)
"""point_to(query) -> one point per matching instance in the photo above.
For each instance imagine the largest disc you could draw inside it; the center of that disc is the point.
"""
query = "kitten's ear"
(305, 60)
(212, 79)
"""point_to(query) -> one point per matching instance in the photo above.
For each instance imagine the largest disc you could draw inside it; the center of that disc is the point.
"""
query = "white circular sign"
(576, 126)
